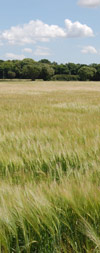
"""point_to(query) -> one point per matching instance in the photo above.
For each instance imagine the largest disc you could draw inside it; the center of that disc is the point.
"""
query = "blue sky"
(62, 31)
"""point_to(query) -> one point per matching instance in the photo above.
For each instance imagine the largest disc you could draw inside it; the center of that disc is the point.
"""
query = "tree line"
(46, 70)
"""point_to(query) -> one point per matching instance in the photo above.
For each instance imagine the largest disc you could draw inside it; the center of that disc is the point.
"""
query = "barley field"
(49, 167)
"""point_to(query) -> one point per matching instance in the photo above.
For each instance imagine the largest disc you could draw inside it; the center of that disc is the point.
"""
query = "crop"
(49, 167)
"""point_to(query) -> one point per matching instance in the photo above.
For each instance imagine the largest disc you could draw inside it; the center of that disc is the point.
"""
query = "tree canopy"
(46, 70)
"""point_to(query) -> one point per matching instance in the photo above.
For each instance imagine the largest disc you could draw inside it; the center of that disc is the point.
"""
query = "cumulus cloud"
(42, 51)
(77, 29)
(38, 31)
(89, 50)
(12, 56)
(89, 3)
(27, 50)
(32, 32)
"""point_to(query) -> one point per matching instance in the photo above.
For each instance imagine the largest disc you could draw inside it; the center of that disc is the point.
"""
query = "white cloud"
(32, 32)
(77, 29)
(89, 50)
(42, 51)
(89, 3)
(38, 31)
(27, 50)
(12, 56)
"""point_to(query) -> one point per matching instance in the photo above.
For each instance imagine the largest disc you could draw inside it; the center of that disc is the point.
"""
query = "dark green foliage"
(11, 74)
(87, 73)
(65, 77)
(61, 69)
(46, 70)
(73, 68)
(97, 77)
(45, 61)
(31, 72)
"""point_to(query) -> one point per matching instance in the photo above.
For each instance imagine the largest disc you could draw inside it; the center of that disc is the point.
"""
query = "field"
(49, 167)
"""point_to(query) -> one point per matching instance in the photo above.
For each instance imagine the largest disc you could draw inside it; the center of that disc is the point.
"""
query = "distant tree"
(87, 73)
(61, 69)
(11, 74)
(35, 73)
(65, 77)
(17, 68)
(54, 63)
(7, 66)
(47, 72)
(31, 72)
(27, 61)
(45, 61)
(73, 68)
(97, 77)
(1, 70)
(93, 65)
(44, 69)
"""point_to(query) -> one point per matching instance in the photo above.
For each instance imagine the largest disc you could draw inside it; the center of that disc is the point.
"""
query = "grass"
(49, 167)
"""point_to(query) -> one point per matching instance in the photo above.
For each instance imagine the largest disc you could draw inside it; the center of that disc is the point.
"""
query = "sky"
(58, 30)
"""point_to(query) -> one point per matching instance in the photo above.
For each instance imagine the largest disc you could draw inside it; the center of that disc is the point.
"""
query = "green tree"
(73, 68)
(61, 69)
(87, 73)
(31, 72)
(7, 66)
(47, 72)
(97, 78)
(11, 74)
(17, 68)
(1, 69)
(27, 61)
(45, 61)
